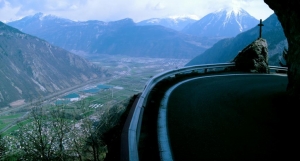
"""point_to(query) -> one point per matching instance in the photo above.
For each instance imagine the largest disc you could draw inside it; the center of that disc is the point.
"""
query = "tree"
(61, 128)
(90, 144)
(2, 147)
(47, 137)
(57, 133)
(36, 139)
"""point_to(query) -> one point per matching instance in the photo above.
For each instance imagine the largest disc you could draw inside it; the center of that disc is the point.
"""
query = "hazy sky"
(111, 10)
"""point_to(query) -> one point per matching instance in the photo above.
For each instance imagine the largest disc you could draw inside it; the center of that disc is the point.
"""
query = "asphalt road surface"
(237, 117)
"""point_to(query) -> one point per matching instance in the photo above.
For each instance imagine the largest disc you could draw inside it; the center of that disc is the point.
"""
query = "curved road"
(235, 117)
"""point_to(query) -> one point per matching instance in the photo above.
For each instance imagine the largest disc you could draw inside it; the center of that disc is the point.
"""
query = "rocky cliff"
(32, 68)
(253, 58)
(288, 14)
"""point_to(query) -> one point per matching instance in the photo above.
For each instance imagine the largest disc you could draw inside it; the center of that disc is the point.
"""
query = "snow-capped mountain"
(39, 21)
(227, 22)
(175, 23)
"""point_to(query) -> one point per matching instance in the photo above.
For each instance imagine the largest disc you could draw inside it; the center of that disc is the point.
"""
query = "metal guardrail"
(278, 69)
(132, 132)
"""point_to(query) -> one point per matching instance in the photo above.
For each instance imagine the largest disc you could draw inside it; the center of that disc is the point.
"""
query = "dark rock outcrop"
(288, 14)
(253, 58)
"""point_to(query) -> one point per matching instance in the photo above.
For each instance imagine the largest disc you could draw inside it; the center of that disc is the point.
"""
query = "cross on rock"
(260, 27)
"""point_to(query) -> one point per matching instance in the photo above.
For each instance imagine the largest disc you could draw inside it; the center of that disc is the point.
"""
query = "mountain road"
(228, 117)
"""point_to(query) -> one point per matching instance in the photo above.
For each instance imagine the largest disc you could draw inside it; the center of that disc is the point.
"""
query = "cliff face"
(288, 14)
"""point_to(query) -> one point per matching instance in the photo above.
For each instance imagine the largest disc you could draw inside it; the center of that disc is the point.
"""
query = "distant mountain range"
(226, 49)
(122, 37)
(32, 68)
(223, 23)
(175, 23)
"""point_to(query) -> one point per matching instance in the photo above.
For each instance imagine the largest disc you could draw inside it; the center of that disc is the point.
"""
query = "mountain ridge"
(226, 22)
(175, 23)
(116, 38)
(32, 68)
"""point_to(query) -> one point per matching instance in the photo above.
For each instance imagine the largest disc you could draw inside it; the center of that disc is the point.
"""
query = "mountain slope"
(223, 23)
(31, 67)
(225, 50)
(173, 23)
(122, 37)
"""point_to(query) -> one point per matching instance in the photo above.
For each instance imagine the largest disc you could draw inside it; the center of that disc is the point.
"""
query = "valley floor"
(129, 77)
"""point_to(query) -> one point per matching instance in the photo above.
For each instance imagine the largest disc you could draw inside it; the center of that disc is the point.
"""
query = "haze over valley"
(54, 61)
(158, 39)
(181, 39)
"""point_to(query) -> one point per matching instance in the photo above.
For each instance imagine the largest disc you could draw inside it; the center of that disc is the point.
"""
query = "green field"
(15, 127)
(13, 116)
